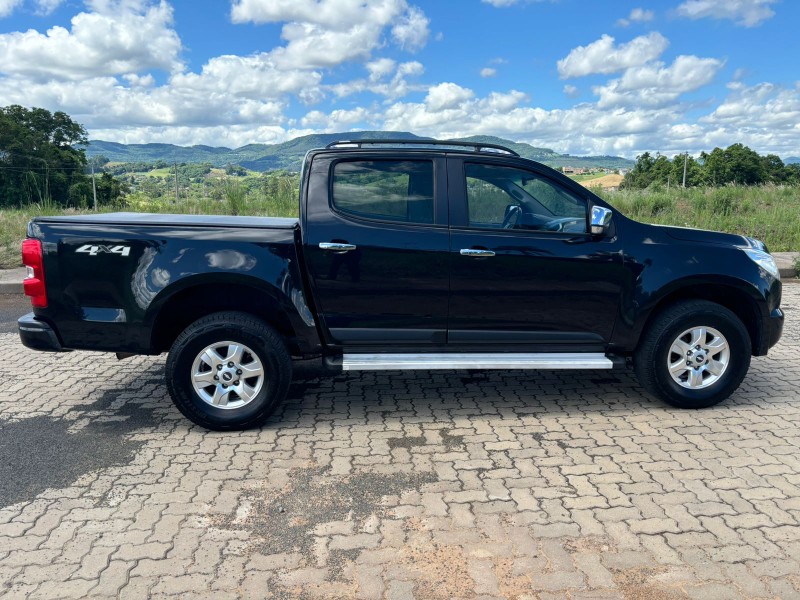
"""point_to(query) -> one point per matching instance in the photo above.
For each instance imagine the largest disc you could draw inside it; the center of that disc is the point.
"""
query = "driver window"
(509, 198)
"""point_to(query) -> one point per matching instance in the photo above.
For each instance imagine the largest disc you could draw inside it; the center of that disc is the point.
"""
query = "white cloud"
(102, 103)
(411, 31)
(325, 33)
(488, 72)
(765, 117)
(747, 13)
(581, 129)
(336, 14)
(657, 85)
(119, 37)
(640, 15)
(571, 91)
(637, 15)
(603, 56)
(312, 46)
(8, 6)
(136, 80)
(45, 7)
(773, 109)
(380, 68)
(445, 96)
(232, 136)
(379, 80)
(337, 120)
(254, 77)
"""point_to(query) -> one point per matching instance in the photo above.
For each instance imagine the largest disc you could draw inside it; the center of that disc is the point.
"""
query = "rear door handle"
(337, 247)
(476, 253)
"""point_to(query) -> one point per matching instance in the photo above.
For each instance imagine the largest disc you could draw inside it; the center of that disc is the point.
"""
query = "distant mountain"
(289, 155)
(792, 160)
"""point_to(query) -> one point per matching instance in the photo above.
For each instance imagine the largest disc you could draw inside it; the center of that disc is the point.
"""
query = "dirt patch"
(451, 441)
(406, 442)
(440, 571)
(637, 584)
(511, 586)
(285, 521)
(589, 543)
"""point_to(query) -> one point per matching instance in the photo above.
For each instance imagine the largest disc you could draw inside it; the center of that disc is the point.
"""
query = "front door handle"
(337, 247)
(476, 253)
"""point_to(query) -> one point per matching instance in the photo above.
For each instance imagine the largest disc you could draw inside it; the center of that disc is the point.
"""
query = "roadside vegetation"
(770, 213)
(44, 171)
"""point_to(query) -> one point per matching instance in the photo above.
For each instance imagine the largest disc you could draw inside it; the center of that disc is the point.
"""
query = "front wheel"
(693, 355)
(228, 371)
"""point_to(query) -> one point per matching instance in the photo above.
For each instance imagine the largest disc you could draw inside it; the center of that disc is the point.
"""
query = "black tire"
(265, 343)
(650, 359)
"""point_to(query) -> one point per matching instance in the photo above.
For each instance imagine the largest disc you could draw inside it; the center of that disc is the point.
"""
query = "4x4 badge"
(94, 250)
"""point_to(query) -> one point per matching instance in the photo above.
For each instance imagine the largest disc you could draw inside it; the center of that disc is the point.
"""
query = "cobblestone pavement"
(407, 485)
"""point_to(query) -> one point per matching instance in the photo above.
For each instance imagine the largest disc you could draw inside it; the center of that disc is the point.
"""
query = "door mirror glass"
(601, 219)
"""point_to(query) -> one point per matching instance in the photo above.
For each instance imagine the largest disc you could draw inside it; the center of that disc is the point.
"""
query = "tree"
(641, 175)
(39, 156)
(736, 164)
(42, 160)
(774, 169)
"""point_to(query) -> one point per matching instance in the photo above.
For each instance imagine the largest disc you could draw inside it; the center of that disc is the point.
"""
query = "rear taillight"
(34, 282)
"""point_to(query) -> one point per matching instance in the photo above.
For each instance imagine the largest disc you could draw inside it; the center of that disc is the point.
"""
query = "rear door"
(525, 272)
(376, 244)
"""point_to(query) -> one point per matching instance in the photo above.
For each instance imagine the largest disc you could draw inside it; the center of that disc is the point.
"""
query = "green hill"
(289, 155)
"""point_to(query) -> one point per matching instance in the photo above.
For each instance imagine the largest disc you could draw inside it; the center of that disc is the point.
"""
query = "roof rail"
(475, 146)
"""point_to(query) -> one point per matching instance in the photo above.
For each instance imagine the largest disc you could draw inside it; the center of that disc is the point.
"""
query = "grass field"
(768, 213)
(586, 177)
(605, 181)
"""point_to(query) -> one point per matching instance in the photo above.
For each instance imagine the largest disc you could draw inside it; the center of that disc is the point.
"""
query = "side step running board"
(423, 362)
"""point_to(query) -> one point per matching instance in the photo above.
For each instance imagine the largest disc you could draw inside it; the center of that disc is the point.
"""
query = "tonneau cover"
(128, 218)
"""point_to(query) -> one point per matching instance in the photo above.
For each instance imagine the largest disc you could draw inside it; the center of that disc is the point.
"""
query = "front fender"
(663, 273)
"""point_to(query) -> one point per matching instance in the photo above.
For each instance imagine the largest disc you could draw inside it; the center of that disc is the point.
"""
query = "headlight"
(763, 260)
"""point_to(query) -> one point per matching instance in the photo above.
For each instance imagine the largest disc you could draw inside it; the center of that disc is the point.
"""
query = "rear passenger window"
(390, 190)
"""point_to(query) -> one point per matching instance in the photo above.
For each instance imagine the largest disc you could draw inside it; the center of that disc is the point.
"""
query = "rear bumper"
(38, 334)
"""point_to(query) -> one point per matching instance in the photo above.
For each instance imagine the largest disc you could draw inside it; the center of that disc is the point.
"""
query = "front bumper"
(774, 327)
(38, 334)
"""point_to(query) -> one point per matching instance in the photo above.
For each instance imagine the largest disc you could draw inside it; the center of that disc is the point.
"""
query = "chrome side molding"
(474, 360)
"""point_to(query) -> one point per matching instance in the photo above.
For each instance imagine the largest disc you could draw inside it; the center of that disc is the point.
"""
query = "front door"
(384, 281)
(525, 272)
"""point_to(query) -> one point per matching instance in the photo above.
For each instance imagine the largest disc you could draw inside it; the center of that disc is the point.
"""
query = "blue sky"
(579, 76)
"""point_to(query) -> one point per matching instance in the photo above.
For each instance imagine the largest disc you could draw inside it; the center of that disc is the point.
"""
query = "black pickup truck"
(434, 255)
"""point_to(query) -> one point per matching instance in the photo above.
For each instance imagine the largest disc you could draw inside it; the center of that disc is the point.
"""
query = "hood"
(703, 236)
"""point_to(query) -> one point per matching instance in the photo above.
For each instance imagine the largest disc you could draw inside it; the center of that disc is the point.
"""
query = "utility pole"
(685, 162)
(94, 187)
(177, 198)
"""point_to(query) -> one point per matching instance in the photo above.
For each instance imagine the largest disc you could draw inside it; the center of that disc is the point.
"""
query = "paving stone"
(411, 485)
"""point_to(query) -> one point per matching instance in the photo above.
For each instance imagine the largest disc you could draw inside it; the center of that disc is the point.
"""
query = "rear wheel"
(693, 355)
(228, 370)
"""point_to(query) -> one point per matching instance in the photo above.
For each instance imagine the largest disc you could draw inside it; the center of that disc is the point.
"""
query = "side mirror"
(601, 219)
